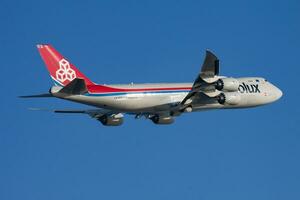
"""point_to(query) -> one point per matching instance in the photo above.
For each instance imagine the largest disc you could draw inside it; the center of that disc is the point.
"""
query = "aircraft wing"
(210, 68)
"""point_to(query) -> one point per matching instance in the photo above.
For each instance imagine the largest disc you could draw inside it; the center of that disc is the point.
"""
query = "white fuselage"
(253, 91)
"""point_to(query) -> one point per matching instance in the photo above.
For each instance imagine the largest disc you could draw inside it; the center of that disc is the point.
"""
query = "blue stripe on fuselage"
(145, 92)
(125, 93)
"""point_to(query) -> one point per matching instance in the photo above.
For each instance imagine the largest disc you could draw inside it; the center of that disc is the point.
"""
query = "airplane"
(159, 102)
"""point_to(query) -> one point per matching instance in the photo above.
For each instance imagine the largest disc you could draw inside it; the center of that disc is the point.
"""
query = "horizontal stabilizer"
(37, 95)
(75, 87)
(94, 113)
(70, 111)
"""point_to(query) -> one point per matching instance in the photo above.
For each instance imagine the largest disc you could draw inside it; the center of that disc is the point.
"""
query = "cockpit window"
(266, 80)
(257, 80)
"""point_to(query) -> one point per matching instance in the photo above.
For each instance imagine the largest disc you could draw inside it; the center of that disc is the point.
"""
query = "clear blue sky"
(232, 154)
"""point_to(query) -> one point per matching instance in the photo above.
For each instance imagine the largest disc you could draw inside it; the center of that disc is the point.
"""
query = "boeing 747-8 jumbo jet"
(159, 102)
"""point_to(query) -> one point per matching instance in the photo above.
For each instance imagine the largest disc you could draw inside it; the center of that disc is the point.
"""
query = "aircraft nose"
(278, 93)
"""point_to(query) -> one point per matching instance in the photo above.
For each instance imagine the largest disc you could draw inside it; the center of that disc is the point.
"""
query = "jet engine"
(230, 98)
(162, 120)
(111, 121)
(227, 84)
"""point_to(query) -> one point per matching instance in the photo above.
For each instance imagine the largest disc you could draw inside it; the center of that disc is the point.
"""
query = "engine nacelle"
(111, 121)
(162, 120)
(227, 84)
(229, 98)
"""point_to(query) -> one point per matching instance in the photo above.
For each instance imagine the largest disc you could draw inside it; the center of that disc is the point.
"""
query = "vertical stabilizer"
(60, 69)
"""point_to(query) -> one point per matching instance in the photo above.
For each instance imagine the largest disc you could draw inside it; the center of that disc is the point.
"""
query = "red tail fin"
(60, 69)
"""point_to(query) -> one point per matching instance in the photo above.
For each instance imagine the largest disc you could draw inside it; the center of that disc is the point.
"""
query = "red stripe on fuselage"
(107, 89)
